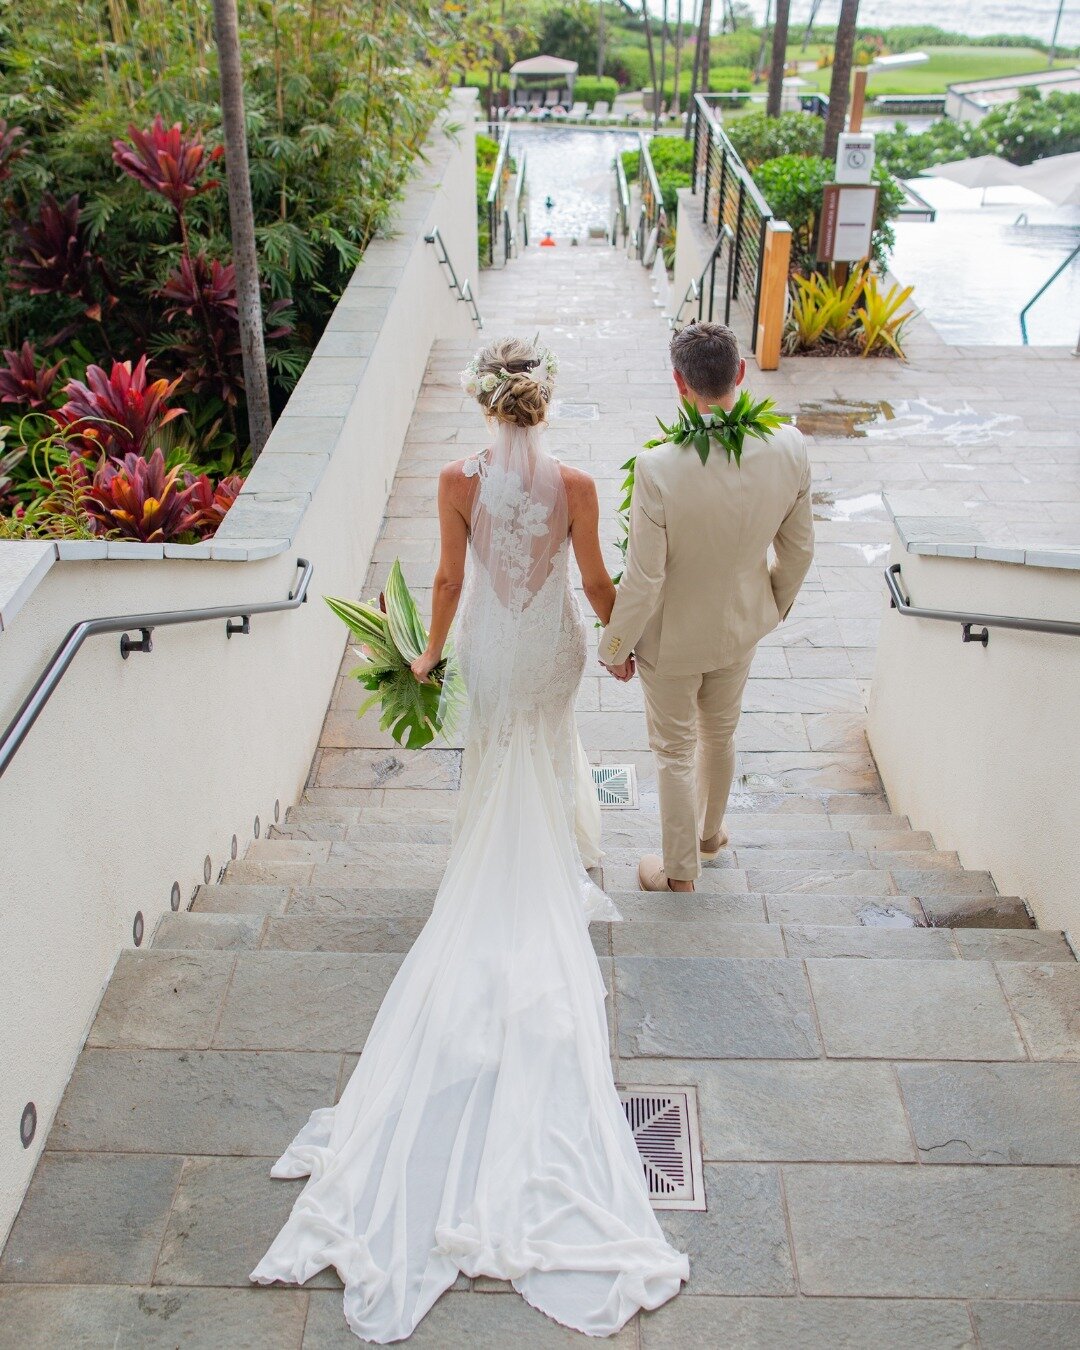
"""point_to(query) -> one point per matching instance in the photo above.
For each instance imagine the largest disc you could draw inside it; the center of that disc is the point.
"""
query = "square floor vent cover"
(664, 1123)
(616, 785)
(574, 412)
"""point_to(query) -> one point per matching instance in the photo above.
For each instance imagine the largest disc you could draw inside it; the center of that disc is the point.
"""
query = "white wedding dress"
(481, 1130)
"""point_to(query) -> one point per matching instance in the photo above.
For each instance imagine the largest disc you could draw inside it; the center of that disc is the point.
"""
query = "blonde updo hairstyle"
(512, 380)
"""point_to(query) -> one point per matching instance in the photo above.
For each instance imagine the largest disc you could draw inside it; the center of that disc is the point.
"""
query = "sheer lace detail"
(481, 1130)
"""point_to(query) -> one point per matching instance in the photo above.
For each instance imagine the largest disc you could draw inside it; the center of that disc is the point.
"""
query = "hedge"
(589, 89)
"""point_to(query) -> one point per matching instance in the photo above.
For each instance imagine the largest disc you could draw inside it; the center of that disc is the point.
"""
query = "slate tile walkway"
(888, 1115)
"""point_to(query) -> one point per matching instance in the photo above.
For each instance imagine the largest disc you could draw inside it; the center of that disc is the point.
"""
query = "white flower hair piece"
(544, 370)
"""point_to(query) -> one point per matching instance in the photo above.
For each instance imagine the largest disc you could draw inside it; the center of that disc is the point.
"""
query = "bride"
(481, 1130)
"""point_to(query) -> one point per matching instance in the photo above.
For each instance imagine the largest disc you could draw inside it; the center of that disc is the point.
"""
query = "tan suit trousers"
(692, 721)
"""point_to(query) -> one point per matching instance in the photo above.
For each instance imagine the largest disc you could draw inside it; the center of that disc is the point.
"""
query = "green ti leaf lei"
(728, 429)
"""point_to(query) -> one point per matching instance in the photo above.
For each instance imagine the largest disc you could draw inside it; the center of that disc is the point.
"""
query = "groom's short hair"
(707, 356)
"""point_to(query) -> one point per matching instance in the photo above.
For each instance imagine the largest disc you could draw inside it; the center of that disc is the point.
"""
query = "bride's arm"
(585, 536)
(446, 589)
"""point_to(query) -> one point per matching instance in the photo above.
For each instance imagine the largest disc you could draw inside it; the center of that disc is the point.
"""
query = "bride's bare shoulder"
(580, 486)
(455, 478)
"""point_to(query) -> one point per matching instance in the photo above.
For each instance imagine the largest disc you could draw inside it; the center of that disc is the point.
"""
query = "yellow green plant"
(842, 317)
(882, 316)
(811, 312)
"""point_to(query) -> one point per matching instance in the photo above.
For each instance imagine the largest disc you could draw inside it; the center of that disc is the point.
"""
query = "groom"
(699, 592)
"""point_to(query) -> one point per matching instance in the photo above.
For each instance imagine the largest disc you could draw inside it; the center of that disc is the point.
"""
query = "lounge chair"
(551, 98)
(579, 112)
(601, 111)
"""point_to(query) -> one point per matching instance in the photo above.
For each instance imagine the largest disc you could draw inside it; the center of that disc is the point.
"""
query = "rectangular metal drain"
(664, 1121)
(616, 785)
(574, 412)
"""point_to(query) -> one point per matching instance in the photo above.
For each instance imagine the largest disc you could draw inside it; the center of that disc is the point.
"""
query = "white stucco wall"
(982, 746)
(138, 770)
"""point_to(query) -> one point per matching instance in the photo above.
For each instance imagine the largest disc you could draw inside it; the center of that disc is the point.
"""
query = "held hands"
(624, 672)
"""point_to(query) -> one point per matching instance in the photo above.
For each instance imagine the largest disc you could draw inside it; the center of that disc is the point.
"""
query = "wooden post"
(774, 284)
(858, 98)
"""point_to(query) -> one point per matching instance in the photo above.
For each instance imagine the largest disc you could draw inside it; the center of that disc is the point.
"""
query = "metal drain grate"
(616, 785)
(664, 1123)
(574, 412)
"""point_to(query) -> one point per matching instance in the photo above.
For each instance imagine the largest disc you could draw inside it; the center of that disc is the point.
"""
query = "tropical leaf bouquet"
(391, 635)
(727, 428)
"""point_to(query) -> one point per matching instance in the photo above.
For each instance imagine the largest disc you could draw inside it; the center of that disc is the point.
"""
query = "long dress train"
(481, 1130)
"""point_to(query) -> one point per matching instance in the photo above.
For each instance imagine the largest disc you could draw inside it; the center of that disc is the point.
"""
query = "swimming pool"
(974, 268)
(572, 167)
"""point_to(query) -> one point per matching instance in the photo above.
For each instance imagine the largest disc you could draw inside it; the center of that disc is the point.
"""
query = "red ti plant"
(168, 161)
(8, 148)
(137, 498)
(118, 413)
(210, 503)
(51, 254)
(23, 381)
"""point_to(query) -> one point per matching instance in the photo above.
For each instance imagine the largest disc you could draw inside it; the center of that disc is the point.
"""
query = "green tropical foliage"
(793, 186)
(114, 229)
(727, 428)
(391, 634)
(1029, 129)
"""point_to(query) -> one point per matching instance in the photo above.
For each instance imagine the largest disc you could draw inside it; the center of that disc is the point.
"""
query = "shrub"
(1021, 132)
(758, 138)
(589, 89)
(793, 186)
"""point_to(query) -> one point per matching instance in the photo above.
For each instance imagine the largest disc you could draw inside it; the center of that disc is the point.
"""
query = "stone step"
(700, 1007)
(616, 822)
(854, 909)
(638, 937)
(430, 847)
(407, 800)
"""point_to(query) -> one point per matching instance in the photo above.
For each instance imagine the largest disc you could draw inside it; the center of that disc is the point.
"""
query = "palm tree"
(841, 75)
(652, 63)
(779, 54)
(242, 224)
(678, 56)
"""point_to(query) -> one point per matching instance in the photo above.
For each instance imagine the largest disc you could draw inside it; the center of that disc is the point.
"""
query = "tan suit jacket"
(699, 590)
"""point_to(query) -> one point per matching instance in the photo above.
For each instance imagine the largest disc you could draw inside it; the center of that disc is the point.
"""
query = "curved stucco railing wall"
(140, 770)
(981, 746)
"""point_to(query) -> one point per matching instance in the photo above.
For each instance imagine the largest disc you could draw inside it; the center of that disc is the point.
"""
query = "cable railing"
(496, 197)
(237, 621)
(969, 622)
(464, 290)
(1041, 291)
(698, 289)
(729, 196)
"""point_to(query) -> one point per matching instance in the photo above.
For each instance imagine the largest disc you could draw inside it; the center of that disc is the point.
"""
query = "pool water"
(572, 167)
(974, 268)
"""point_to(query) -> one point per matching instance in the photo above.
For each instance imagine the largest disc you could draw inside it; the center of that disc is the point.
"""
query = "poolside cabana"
(543, 82)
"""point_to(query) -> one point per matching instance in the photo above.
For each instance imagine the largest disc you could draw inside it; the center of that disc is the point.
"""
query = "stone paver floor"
(888, 1115)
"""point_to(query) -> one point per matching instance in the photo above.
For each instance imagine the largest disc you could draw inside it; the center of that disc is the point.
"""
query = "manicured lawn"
(947, 65)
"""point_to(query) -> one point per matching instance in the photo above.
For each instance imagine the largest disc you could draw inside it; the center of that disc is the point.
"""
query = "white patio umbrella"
(982, 171)
(1057, 178)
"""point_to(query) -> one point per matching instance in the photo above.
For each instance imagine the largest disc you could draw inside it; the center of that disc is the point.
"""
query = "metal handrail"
(464, 290)
(53, 673)
(519, 215)
(622, 188)
(500, 177)
(902, 604)
(1044, 287)
(652, 200)
(695, 289)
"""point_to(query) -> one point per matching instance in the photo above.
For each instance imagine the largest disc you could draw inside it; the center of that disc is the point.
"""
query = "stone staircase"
(885, 1051)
